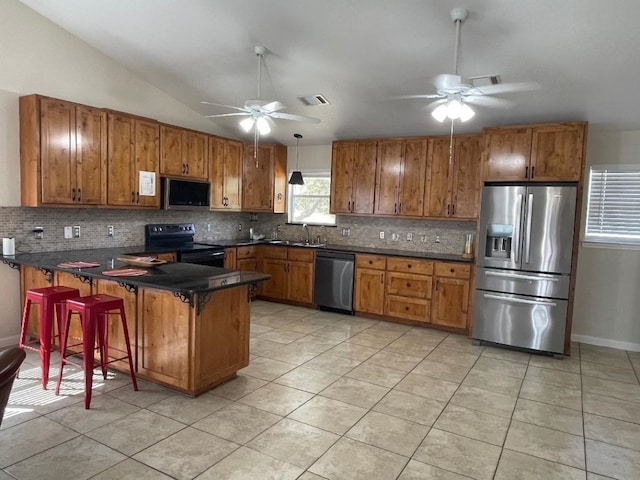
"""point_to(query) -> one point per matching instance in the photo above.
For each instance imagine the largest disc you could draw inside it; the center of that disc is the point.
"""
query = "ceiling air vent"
(312, 100)
(485, 80)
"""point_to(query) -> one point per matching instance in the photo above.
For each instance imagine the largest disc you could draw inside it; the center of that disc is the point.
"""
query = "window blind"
(613, 204)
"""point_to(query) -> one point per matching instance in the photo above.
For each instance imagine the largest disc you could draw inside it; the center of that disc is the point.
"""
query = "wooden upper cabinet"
(549, 152)
(225, 160)
(63, 151)
(183, 153)
(557, 152)
(401, 177)
(453, 178)
(133, 148)
(353, 176)
(264, 179)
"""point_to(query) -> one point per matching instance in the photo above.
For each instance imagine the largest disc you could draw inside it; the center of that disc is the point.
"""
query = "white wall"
(607, 300)
(312, 158)
(36, 56)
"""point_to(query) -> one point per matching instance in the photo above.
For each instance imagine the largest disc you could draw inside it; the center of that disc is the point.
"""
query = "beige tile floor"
(329, 396)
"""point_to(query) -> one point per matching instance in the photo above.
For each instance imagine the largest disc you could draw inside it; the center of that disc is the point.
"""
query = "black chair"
(10, 361)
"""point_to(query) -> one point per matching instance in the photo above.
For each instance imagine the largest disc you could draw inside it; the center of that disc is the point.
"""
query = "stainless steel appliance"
(334, 281)
(524, 265)
(179, 237)
(185, 194)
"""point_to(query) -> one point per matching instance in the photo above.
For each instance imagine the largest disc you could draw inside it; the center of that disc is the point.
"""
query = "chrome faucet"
(306, 227)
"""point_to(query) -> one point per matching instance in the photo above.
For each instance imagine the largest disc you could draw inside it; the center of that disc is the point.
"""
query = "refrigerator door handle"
(519, 300)
(527, 237)
(519, 276)
(516, 245)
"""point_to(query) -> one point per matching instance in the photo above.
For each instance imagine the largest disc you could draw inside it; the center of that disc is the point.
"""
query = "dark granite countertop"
(185, 278)
(350, 248)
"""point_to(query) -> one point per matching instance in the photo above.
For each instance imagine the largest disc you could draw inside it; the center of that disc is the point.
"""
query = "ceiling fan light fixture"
(263, 126)
(466, 113)
(440, 113)
(247, 124)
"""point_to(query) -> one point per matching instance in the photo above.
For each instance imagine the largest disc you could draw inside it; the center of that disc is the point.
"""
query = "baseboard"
(606, 342)
(11, 341)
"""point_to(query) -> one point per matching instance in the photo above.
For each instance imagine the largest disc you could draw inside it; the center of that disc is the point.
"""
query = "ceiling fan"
(260, 113)
(454, 93)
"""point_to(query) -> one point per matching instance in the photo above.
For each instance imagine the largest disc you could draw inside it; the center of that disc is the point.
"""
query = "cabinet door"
(465, 185)
(507, 153)
(147, 153)
(279, 178)
(364, 170)
(450, 302)
(276, 286)
(195, 154)
(218, 174)
(369, 291)
(58, 151)
(233, 174)
(171, 162)
(389, 169)
(117, 344)
(257, 180)
(342, 164)
(91, 156)
(230, 258)
(165, 346)
(412, 184)
(300, 282)
(122, 185)
(247, 264)
(557, 152)
(438, 190)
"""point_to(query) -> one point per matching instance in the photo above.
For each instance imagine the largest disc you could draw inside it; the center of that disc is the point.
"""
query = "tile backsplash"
(19, 222)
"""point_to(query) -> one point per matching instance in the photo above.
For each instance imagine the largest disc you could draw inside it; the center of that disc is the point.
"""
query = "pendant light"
(296, 175)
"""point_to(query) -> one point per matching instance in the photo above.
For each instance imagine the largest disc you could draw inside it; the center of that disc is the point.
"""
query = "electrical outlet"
(437, 238)
(239, 227)
(208, 227)
(346, 232)
(68, 232)
(76, 231)
(395, 237)
(381, 235)
(39, 232)
(423, 238)
(409, 237)
(110, 230)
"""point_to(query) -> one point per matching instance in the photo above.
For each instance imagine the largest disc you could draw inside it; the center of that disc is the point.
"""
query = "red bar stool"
(51, 302)
(94, 312)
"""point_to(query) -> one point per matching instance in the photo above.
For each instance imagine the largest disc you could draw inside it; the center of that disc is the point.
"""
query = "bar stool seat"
(51, 302)
(93, 312)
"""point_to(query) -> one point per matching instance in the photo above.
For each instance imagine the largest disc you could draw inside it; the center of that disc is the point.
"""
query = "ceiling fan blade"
(243, 114)
(508, 88)
(409, 97)
(486, 101)
(446, 80)
(273, 106)
(296, 118)
(225, 106)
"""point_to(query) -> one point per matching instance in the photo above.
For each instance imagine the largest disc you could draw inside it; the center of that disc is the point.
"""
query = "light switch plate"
(68, 232)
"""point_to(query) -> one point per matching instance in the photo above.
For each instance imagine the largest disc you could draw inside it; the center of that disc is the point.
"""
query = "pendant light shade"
(296, 175)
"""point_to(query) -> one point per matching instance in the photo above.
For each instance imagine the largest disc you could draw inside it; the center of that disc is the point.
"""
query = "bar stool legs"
(93, 312)
(51, 301)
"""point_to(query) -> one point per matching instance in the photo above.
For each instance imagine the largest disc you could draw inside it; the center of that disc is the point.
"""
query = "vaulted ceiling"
(363, 54)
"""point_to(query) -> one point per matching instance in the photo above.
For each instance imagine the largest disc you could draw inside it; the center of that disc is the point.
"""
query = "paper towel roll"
(8, 246)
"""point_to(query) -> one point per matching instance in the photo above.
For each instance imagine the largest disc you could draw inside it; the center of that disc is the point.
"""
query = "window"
(309, 203)
(613, 205)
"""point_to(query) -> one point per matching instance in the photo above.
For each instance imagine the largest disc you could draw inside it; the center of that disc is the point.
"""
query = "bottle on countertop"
(251, 233)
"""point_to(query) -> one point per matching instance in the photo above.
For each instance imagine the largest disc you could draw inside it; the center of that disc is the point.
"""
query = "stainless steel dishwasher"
(334, 281)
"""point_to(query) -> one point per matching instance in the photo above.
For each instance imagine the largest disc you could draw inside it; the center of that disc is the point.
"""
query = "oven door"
(212, 258)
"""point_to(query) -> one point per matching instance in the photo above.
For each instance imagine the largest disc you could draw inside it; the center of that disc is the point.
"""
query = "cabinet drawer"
(409, 265)
(246, 252)
(455, 270)
(378, 262)
(407, 308)
(301, 254)
(274, 252)
(409, 285)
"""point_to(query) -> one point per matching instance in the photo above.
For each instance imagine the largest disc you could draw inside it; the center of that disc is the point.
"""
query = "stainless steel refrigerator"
(524, 265)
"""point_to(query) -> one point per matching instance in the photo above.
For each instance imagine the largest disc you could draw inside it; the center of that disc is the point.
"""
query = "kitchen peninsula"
(189, 324)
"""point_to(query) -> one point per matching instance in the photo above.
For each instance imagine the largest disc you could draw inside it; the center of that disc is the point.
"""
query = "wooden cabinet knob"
(370, 262)
(408, 284)
(409, 265)
(406, 308)
(452, 270)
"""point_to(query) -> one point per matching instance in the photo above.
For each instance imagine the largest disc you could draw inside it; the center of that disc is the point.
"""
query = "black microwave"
(183, 194)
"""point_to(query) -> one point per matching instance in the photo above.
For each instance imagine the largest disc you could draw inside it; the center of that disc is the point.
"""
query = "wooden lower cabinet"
(292, 270)
(451, 295)
(230, 258)
(192, 348)
(368, 288)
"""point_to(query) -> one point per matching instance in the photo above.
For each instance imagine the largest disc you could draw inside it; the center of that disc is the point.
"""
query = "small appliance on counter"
(524, 265)
(9, 246)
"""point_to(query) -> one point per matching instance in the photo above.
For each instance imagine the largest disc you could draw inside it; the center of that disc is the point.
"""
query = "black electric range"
(179, 237)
